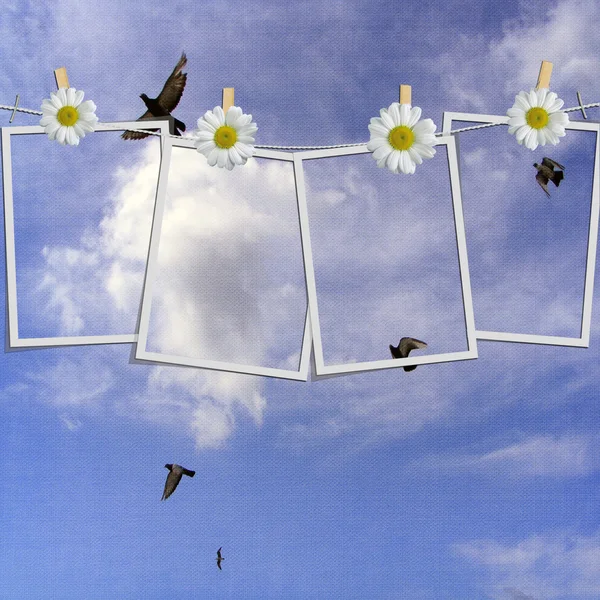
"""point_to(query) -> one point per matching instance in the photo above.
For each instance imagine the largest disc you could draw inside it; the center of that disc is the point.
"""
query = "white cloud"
(564, 33)
(540, 455)
(551, 565)
(102, 277)
(202, 403)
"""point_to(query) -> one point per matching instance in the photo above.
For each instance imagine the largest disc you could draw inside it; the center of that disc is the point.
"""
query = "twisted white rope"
(271, 147)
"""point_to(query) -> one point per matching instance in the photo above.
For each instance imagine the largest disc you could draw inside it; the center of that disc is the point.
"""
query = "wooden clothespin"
(227, 99)
(405, 94)
(544, 76)
(581, 105)
(62, 81)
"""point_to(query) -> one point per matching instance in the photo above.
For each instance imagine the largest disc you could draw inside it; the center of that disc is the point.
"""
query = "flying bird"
(547, 173)
(165, 102)
(404, 347)
(174, 477)
(220, 559)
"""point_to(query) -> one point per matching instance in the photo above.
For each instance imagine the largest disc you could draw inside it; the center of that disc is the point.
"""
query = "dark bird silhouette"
(165, 102)
(547, 173)
(404, 347)
(220, 559)
(174, 477)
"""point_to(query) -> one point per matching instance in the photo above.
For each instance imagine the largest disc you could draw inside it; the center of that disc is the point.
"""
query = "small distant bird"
(174, 477)
(404, 347)
(165, 102)
(547, 173)
(220, 559)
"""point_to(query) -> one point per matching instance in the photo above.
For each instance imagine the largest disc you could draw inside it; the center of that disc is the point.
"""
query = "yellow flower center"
(537, 117)
(225, 137)
(68, 116)
(401, 138)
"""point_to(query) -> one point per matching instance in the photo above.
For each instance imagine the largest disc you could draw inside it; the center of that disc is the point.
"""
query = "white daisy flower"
(536, 118)
(399, 141)
(66, 118)
(225, 139)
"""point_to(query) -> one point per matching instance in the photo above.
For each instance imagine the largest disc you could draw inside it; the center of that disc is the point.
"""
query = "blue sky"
(475, 479)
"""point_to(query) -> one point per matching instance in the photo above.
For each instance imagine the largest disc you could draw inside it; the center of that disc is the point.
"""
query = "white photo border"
(141, 353)
(14, 341)
(321, 368)
(583, 340)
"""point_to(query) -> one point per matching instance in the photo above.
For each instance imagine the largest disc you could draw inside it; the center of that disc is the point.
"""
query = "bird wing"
(188, 472)
(138, 135)
(548, 162)
(173, 479)
(219, 565)
(543, 181)
(219, 553)
(407, 344)
(173, 89)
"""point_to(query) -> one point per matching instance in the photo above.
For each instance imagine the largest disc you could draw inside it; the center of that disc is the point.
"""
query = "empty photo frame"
(532, 255)
(77, 224)
(385, 259)
(225, 287)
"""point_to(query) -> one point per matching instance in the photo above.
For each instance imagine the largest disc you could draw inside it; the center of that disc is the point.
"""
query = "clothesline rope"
(29, 111)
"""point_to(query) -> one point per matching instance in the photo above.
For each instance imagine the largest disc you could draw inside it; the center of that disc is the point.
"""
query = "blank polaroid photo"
(532, 255)
(225, 287)
(386, 259)
(77, 223)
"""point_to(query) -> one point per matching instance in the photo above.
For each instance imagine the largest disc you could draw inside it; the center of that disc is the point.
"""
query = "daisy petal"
(415, 115)
(382, 152)
(237, 157)
(542, 136)
(205, 147)
(424, 127)
(61, 94)
(61, 135)
(246, 150)
(71, 96)
(377, 129)
(78, 98)
(406, 163)
(222, 159)
(386, 119)
(392, 161)
(213, 119)
(522, 102)
(71, 137)
(204, 136)
(531, 139)
(52, 128)
(375, 143)
(87, 107)
(541, 96)
(213, 156)
(415, 156)
(404, 114)
(395, 113)
(533, 101)
(233, 114)
(522, 132)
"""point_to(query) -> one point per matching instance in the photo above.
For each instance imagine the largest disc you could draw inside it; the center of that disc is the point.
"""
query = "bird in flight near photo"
(547, 173)
(220, 558)
(165, 102)
(174, 477)
(404, 347)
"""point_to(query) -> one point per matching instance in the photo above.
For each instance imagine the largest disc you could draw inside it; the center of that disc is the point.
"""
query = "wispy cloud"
(564, 33)
(550, 565)
(541, 455)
